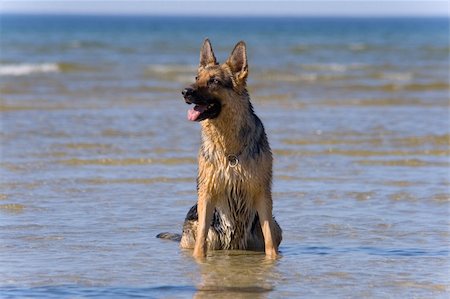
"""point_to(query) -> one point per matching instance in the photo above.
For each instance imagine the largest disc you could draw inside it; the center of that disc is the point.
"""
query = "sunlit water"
(97, 157)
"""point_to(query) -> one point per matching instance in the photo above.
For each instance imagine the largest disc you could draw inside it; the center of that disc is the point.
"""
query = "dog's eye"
(213, 81)
(196, 78)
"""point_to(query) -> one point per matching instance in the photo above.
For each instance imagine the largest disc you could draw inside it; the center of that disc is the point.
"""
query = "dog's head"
(216, 86)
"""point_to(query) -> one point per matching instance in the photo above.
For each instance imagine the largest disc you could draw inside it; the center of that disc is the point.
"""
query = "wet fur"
(231, 200)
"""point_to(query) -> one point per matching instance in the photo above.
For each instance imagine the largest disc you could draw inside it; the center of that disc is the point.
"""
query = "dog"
(234, 207)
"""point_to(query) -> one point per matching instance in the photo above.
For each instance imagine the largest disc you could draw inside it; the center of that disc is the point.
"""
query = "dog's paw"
(271, 254)
(199, 253)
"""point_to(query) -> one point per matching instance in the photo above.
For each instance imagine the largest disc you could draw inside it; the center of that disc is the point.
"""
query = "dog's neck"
(224, 134)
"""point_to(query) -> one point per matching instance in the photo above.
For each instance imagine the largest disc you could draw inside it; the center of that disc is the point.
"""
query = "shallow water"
(97, 157)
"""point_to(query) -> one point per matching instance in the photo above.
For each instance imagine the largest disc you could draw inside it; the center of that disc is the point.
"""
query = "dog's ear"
(207, 55)
(238, 61)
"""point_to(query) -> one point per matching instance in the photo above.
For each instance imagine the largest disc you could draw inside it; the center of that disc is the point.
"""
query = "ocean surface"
(97, 156)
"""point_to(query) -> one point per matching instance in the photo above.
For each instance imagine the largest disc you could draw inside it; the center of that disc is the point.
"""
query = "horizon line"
(95, 14)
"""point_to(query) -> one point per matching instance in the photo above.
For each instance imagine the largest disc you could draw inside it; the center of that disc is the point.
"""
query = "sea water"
(97, 156)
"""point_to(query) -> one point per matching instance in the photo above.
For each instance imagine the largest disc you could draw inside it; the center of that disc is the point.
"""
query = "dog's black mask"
(206, 107)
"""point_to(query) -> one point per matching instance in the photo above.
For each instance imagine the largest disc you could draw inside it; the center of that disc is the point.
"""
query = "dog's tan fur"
(234, 205)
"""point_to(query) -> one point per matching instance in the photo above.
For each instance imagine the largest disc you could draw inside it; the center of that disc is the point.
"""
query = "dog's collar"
(233, 159)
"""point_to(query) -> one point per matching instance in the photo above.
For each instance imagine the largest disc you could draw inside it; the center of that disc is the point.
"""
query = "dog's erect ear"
(207, 55)
(238, 61)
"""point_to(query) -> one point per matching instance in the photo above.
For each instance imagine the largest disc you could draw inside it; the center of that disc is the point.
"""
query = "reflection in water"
(226, 274)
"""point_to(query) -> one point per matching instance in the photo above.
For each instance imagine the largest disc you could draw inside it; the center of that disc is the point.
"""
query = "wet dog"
(234, 207)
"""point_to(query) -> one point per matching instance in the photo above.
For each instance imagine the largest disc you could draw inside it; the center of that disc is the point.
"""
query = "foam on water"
(171, 68)
(24, 69)
(334, 67)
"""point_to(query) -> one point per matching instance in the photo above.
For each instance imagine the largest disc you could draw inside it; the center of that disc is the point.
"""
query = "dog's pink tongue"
(195, 112)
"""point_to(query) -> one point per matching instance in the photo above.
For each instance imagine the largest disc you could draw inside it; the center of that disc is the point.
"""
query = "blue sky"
(231, 8)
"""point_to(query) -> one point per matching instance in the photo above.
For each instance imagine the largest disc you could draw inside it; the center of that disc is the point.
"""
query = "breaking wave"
(176, 72)
(333, 67)
(23, 69)
(171, 68)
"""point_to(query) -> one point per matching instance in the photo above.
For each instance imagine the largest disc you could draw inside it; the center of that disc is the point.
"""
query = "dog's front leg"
(205, 210)
(264, 208)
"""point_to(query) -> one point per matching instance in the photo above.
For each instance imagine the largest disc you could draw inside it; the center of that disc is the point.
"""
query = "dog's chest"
(235, 214)
(233, 197)
(227, 177)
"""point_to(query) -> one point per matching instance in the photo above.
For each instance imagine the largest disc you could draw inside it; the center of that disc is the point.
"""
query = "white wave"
(272, 75)
(23, 69)
(172, 72)
(296, 78)
(333, 67)
(171, 68)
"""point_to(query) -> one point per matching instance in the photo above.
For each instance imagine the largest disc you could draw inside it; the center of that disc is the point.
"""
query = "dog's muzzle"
(187, 94)
(203, 107)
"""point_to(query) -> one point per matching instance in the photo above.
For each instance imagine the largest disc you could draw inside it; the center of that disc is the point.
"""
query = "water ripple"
(324, 250)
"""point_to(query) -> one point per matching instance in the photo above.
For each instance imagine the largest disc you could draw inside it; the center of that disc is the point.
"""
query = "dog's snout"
(187, 92)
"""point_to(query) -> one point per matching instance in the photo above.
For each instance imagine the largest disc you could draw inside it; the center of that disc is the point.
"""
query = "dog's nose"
(187, 91)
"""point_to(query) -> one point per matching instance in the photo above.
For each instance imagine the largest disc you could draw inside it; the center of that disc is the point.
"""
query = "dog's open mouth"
(203, 111)
(195, 112)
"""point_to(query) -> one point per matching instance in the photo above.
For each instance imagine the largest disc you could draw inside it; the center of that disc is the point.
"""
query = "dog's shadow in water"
(227, 274)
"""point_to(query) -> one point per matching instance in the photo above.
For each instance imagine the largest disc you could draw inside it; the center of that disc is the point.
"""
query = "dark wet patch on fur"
(192, 214)
(204, 153)
(244, 132)
(227, 82)
(260, 143)
(255, 224)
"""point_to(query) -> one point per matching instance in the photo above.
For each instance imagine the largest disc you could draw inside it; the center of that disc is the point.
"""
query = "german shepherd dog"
(234, 207)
